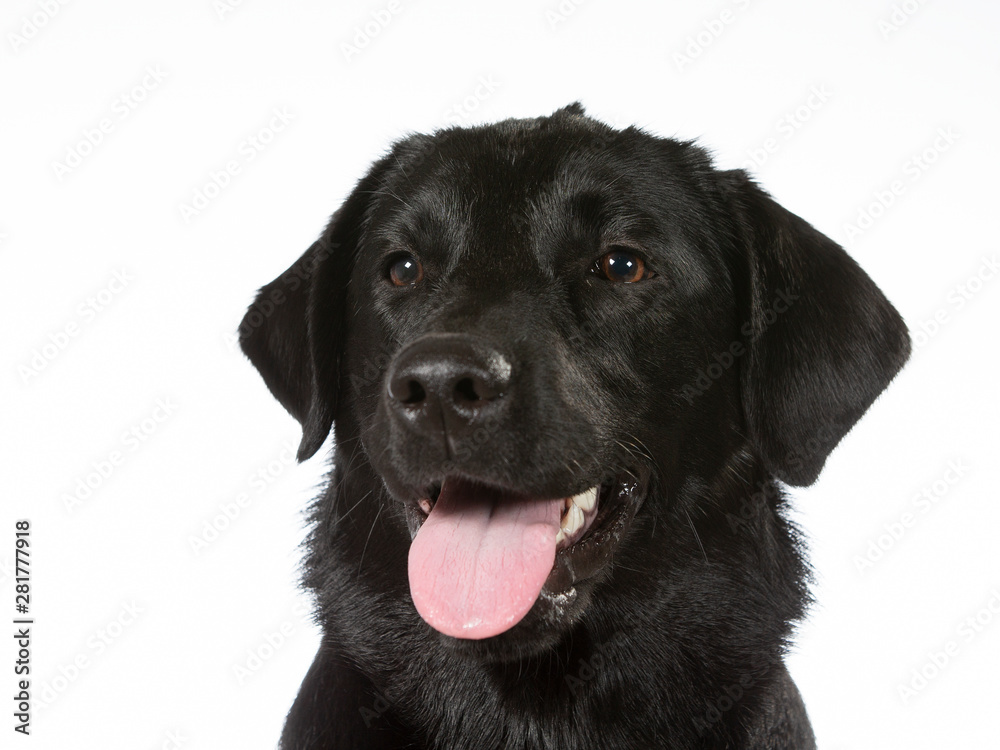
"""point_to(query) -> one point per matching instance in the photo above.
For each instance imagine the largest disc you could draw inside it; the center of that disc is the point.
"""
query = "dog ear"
(292, 332)
(822, 340)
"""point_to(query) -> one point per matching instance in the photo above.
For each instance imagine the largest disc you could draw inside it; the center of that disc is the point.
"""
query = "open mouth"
(481, 556)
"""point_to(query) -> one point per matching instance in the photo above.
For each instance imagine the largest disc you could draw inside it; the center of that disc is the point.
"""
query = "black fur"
(743, 361)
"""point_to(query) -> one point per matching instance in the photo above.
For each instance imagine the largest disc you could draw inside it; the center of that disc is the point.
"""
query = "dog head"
(538, 333)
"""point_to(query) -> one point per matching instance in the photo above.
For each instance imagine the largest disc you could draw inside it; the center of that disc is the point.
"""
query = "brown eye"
(623, 267)
(405, 270)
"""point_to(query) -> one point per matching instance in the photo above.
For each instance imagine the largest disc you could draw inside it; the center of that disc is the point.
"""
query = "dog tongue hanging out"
(478, 562)
(566, 367)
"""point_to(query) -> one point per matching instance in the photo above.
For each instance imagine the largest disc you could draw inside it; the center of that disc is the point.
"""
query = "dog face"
(544, 338)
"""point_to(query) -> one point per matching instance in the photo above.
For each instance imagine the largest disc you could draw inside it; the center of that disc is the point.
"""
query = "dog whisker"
(378, 514)
(696, 537)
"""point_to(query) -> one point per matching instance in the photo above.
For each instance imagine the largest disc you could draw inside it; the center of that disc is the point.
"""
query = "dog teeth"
(586, 500)
(574, 518)
(572, 522)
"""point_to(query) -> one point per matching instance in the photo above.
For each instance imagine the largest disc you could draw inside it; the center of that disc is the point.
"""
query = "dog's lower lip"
(591, 553)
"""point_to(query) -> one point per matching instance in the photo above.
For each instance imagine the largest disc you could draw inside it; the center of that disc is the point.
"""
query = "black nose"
(445, 383)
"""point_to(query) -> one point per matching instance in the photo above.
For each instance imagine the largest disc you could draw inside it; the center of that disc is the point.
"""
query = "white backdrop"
(160, 161)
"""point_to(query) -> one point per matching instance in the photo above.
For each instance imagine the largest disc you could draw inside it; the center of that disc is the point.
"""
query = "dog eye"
(622, 266)
(405, 270)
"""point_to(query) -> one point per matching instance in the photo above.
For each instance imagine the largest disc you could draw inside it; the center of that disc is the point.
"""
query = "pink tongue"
(480, 559)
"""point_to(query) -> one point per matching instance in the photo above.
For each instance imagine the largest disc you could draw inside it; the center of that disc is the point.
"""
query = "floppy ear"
(822, 341)
(292, 332)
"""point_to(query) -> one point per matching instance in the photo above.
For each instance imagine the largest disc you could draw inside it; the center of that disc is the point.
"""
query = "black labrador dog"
(567, 368)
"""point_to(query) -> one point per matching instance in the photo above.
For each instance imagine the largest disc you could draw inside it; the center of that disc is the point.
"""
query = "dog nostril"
(416, 393)
(466, 390)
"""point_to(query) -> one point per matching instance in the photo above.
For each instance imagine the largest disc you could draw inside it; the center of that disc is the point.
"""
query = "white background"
(868, 90)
